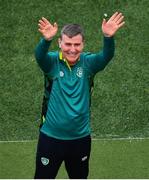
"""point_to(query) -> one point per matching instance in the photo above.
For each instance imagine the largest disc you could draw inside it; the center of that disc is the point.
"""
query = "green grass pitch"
(120, 100)
(110, 159)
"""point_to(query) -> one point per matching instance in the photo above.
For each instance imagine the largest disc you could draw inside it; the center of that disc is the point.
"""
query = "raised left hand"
(110, 27)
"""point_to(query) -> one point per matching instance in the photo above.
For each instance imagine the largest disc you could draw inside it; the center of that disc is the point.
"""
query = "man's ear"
(59, 42)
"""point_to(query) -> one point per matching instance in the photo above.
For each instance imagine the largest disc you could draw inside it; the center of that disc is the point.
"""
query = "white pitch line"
(19, 141)
(121, 139)
(94, 139)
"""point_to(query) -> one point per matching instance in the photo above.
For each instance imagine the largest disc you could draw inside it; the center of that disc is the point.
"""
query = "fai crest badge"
(45, 161)
(79, 72)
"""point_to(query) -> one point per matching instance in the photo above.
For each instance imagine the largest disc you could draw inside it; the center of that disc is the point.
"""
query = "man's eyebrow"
(68, 43)
(77, 43)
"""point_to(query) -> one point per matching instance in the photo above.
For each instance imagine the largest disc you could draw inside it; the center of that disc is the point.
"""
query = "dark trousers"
(52, 152)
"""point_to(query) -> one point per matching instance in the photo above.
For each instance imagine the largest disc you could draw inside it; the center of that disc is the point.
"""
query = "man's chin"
(72, 61)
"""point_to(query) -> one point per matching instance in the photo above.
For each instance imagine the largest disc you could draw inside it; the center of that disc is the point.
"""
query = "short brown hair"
(72, 30)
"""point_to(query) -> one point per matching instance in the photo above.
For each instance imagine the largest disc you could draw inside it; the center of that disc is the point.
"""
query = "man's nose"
(73, 48)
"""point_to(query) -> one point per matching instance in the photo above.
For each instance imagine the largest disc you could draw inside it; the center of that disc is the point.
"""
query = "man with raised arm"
(65, 135)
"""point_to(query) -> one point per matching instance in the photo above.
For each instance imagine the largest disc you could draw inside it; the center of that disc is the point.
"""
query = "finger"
(42, 22)
(113, 16)
(121, 24)
(117, 17)
(55, 25)
(103, 21)
(41, 26)
(46, 21)
(120, 20)
(40, 30)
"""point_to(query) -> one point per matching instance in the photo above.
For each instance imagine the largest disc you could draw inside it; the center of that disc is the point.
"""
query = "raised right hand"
(47, 29)
(111, 26)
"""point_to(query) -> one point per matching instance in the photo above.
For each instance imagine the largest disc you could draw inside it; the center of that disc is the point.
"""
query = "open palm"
(47, 29)
(110, 27)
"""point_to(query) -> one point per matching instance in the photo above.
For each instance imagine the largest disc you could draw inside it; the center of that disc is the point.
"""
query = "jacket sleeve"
(97, 62)
(43, 57)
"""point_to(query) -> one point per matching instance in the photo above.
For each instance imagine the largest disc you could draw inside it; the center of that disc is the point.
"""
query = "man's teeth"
(71, 54)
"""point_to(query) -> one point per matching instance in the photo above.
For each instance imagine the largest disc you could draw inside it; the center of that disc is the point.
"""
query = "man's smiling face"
(71, 47)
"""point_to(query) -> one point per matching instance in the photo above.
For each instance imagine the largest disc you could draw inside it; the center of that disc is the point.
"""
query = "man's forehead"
(77, 38)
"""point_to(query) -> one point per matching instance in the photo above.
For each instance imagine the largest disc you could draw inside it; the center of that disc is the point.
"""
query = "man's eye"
(77, 44)
(68, 44)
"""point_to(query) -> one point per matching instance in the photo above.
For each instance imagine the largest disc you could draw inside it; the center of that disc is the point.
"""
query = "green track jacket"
(68, 114)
